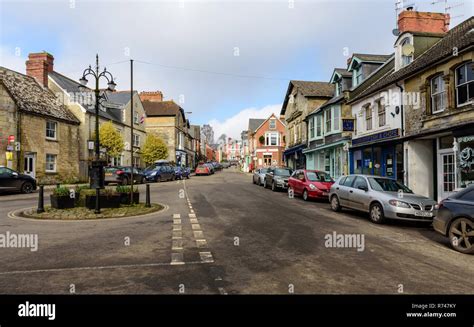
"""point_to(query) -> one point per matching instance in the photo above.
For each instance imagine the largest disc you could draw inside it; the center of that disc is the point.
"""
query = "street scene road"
(221, 234)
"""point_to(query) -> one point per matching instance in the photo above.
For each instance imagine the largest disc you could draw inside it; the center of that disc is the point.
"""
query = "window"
(272, 124)
(348, 181)
(381, 113)
(51, 163)
(405, 59)
(311, 127)
(328, 121)
(438, 94)
(136, 120)
(272, 139)
(360, 182)
(358, 75)
(51, 128)
(465, 83)
(368, 117)
(136, 140)
(319, 125)
(336, 118)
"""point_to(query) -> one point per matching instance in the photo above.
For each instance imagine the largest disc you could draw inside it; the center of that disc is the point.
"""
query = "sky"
(222, 61)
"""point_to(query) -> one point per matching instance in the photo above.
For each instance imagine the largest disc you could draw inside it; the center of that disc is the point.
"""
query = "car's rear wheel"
(125, 181)
(142, 180)
(461, 235)
(376, 213)
(335, 205)
(26, 188)
(305, 195)
(253, 181)
(274, 188)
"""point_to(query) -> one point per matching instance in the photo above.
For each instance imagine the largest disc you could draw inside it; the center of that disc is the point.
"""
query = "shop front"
(379, 154)
(294, 157)
(464, 147)
(331, 158)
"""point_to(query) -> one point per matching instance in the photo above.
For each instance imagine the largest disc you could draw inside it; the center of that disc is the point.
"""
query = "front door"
(29, 165)
(388, 163)
(446, 174)
(267, 160)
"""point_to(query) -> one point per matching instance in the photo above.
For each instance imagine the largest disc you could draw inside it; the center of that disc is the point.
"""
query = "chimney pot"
(423, 22)
(154, 96)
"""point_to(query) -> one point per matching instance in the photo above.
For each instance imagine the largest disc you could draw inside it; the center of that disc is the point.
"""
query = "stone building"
(301, 98)
(43, 132)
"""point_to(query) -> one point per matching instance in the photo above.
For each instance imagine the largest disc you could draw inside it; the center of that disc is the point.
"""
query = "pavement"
(221, 234)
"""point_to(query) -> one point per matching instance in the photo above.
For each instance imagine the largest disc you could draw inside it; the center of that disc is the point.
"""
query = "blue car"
(182, 172)
(160, 174)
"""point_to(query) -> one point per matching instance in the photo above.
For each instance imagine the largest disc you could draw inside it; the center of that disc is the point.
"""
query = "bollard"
(40, 200)
(147, 202)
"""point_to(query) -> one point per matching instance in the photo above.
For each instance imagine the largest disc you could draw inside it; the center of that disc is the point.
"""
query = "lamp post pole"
(97, 178)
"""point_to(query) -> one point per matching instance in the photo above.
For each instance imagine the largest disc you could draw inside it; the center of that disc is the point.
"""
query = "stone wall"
(164, 128)
(7, 125)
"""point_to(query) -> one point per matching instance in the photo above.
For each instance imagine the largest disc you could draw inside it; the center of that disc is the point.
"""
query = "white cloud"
(234, 125)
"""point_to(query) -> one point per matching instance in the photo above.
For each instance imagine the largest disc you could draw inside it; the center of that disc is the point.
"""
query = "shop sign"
(393, 133)
(348, 124)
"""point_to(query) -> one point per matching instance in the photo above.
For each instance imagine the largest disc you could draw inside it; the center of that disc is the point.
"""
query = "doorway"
(29, 164)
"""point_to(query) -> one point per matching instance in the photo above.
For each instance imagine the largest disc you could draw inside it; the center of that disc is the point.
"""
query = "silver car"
(259, 176)
(382, 198)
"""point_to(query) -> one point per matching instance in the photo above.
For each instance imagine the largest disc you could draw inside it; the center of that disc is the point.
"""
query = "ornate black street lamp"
(97, 171)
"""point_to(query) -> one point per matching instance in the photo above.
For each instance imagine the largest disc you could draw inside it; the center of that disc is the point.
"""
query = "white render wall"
(358, 112)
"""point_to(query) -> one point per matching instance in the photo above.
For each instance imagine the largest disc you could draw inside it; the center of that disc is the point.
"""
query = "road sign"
(11, 138)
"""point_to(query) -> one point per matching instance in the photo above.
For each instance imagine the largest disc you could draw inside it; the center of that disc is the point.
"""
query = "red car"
(202, 170)
(310, 184)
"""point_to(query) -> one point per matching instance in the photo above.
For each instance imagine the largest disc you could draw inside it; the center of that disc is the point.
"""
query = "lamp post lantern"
(97, 169)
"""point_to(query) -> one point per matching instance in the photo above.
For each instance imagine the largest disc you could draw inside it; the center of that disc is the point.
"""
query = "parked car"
(382, 198)
(277, 178)
(310, 184)
(455, 219)
(225, 164)
(11, 180)
(123, 175)
(203, 170)
(210, 166)
(160, 173)
(259, 176)
(182, 172)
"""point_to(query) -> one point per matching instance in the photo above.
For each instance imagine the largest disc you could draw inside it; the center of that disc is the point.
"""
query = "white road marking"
(192, 215)
(177, 259)
(176, 221)
(206, 257)
(201, 243)
(176, 215)
(177, 227)
(194, 221)
(198, 234)
(177, 235)
(177, 244)
(195, 227)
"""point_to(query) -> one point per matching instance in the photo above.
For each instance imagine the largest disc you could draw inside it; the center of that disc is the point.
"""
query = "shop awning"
(294, 149)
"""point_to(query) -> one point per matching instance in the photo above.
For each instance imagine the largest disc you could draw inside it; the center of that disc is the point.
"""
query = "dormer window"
(338, 88)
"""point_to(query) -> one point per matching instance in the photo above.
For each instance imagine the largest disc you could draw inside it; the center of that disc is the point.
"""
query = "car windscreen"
(387, 185)
(283, 172)
(318, 176)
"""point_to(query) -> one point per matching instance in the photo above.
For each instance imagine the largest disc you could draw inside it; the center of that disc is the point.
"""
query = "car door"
(299, 182)
(7, 181)
(343, 191)
(358, 197)
(269, 176)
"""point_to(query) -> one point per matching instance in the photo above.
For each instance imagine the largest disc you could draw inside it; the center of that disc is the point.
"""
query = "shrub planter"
(125, 198)
(106, 201)
(62, 202)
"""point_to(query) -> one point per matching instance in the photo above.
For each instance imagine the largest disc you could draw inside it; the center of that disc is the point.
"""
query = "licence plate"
(325, 193)
(423, 214)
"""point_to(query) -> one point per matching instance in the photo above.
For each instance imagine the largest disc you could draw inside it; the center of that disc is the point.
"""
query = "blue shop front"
(379, 154)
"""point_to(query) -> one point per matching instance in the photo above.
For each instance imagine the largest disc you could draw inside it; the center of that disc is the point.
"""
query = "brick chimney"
(151, 96)
(423, 22)
(39, 65)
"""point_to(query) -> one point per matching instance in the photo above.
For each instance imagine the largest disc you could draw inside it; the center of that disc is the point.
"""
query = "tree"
(154, 149)
(111, 140)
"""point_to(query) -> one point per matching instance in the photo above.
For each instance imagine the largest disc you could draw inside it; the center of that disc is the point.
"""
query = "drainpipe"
(18, 139)
(402, 132)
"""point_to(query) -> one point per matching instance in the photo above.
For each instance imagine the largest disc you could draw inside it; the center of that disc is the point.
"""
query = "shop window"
(465, 84)
(377, 153)
(358, 162)
(367, 162)
(438, 94)
(465, 161)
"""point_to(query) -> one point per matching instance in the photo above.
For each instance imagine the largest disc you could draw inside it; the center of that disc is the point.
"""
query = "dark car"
(123, 175)
(277, 178)
(182, 172)
(160, 173)
(455, 219)
(11, 180)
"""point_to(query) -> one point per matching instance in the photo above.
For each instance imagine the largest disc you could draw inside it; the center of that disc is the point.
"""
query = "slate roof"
(110, 111)
(343, 72)
(163, 108)
(33, 98)
(328, 103)
(314, 89)
(371, 57)
(120, 97)
(254, 123)
(461, 37)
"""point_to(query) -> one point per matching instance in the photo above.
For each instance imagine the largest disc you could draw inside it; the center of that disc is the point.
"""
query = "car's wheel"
(253, 181)
(274, 187)
(461, 235)
(305, 195)
(27, 187)
(173, 177)
(335, 205)
(265, 183)
(142, 180)
(125, 181)
(376, 213)
(259, 182)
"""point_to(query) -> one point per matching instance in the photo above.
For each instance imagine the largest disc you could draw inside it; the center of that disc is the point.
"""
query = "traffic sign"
(11, 138)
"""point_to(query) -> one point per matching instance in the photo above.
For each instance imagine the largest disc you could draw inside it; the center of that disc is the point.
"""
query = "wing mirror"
(14, 174)
(364, 188)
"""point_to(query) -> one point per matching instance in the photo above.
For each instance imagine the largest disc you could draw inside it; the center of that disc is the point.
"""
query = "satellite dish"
(408, 49)
(395, 32)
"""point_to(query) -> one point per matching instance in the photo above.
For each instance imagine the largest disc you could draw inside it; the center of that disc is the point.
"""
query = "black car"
(455, 219)
(277, 178)
(10, 180)
(123, 175)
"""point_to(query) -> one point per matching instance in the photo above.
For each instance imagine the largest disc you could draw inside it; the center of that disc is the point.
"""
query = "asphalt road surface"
(221, 234)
